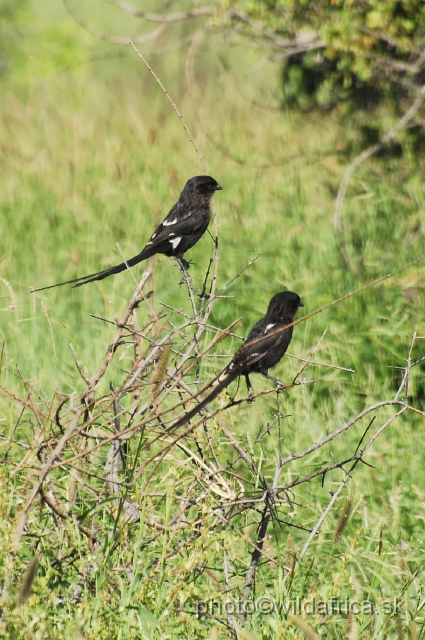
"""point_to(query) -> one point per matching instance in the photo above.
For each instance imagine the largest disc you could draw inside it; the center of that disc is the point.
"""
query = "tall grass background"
(92, 157)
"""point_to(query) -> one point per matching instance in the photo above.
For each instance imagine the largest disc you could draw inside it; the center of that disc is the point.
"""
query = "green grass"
(93, 155)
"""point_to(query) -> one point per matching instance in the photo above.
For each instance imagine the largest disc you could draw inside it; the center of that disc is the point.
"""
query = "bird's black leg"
(184, 264)
(279, 384)
(187, 279)
(250, 389)
(204, 295)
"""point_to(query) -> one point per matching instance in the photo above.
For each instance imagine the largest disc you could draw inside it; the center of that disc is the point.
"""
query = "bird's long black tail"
(214, 393)
(100, 275)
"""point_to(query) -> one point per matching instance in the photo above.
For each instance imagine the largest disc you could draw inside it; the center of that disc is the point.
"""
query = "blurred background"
(281, 98)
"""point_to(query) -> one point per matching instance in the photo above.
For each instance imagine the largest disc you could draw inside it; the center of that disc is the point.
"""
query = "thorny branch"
(118, 451)
(77, 437)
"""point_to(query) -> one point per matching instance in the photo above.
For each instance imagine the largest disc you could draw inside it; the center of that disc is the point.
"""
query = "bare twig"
(173, 104)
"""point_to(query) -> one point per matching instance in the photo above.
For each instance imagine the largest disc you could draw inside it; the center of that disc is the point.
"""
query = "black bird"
(182, 228)
(265, 345)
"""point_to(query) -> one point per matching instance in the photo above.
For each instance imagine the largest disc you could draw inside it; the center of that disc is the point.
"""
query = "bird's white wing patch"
(269, 326)
(169, 223)
(223, 376)
(174, 242)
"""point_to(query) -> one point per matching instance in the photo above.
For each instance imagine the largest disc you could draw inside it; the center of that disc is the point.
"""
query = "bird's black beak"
(218, 188)
(300, 304)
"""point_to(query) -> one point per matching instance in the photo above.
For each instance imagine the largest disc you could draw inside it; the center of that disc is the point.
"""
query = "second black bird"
(265, 345)
(182, 228)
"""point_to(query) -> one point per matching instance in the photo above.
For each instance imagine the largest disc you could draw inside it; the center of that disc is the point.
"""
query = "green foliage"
(12, 20)
(35, 49)
(355, 50)
(95, 157)
(59, 50)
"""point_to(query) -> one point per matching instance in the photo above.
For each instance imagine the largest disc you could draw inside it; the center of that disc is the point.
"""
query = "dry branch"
(117, 453)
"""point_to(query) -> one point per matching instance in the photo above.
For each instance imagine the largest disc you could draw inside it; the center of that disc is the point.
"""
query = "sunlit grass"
(95, 156)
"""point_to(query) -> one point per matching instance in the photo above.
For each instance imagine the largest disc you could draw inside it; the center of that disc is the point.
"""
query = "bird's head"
(201, 185)
(284, 304)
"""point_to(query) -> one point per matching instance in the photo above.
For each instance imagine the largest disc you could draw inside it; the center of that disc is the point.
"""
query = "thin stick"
(173, 104)
(343, 483)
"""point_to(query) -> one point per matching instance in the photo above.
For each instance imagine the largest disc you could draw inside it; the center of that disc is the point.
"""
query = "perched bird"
(184, 225)
(265, 345)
